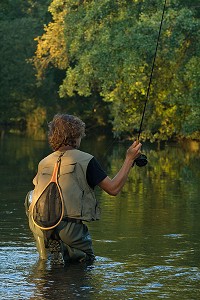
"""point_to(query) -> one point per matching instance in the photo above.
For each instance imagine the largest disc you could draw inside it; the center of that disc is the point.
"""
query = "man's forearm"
(115, 185)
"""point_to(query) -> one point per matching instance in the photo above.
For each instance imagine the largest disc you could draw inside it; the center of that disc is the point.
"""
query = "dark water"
(147, 242)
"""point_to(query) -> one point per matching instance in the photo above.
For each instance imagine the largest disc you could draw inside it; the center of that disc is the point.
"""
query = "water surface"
(147, 242)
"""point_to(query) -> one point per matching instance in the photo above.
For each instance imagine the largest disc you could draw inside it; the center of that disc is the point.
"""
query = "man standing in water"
(72, 235)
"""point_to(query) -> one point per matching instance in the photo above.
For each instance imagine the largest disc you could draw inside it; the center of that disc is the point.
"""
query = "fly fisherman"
(71, 237)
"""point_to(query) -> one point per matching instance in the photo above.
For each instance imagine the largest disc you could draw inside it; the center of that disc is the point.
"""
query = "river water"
(147, 243)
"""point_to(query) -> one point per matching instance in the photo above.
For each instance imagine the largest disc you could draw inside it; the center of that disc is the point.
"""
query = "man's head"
(65, 130)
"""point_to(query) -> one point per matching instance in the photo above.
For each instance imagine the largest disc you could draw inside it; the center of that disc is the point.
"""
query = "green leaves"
(103, 50)
(110, 47)
(18, 27)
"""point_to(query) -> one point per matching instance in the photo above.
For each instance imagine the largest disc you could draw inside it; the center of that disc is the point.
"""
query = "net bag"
(48, 209)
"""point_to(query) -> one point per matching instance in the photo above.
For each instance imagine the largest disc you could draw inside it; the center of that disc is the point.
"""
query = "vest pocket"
(47, 171)
(72, 192)
(66, 169)
(44, 177)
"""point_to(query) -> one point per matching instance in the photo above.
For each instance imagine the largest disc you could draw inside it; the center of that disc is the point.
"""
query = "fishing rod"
(141, 161)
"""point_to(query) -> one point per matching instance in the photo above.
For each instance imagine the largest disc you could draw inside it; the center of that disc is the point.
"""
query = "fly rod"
(141, 161)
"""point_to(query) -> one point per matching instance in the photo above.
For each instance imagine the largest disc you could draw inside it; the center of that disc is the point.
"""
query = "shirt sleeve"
(94, 174)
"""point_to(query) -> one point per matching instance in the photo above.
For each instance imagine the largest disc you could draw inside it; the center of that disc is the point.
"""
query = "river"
(147, 243)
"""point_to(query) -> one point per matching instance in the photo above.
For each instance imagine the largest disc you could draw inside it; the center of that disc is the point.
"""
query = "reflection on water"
(147, 242)
(24, 277)
(53, 282)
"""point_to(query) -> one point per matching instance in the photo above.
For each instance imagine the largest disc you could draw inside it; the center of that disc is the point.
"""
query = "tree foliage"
(107, 47)
(20, 22)
(99, 55)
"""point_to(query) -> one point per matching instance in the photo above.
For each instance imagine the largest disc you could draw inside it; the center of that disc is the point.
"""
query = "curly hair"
(64, 130)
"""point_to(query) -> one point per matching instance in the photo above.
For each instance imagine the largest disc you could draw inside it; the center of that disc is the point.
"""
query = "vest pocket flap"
(47, 171)
(67, 169)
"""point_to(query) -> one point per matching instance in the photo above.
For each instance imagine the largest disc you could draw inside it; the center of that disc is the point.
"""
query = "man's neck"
(65, 148)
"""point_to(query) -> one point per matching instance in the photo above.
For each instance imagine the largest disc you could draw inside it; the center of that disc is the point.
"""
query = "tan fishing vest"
(79, 197)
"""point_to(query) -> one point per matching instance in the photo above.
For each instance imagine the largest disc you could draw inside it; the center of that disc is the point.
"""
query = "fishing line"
(152, 69)
(141, 161)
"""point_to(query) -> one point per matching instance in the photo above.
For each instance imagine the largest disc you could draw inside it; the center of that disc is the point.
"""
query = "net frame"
(54, 179)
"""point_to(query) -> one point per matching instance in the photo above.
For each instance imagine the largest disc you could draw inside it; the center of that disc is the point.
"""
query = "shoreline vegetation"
(40, 134)
(93, 59)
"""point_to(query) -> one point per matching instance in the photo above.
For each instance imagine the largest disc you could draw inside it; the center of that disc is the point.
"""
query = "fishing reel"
(141, 161)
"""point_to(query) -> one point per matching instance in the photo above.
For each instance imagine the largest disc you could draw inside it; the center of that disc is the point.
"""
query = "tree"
(20, 22)
(107, 48)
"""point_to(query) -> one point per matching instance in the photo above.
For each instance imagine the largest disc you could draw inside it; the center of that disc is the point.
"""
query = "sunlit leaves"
(51, 47)
(107, 47)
